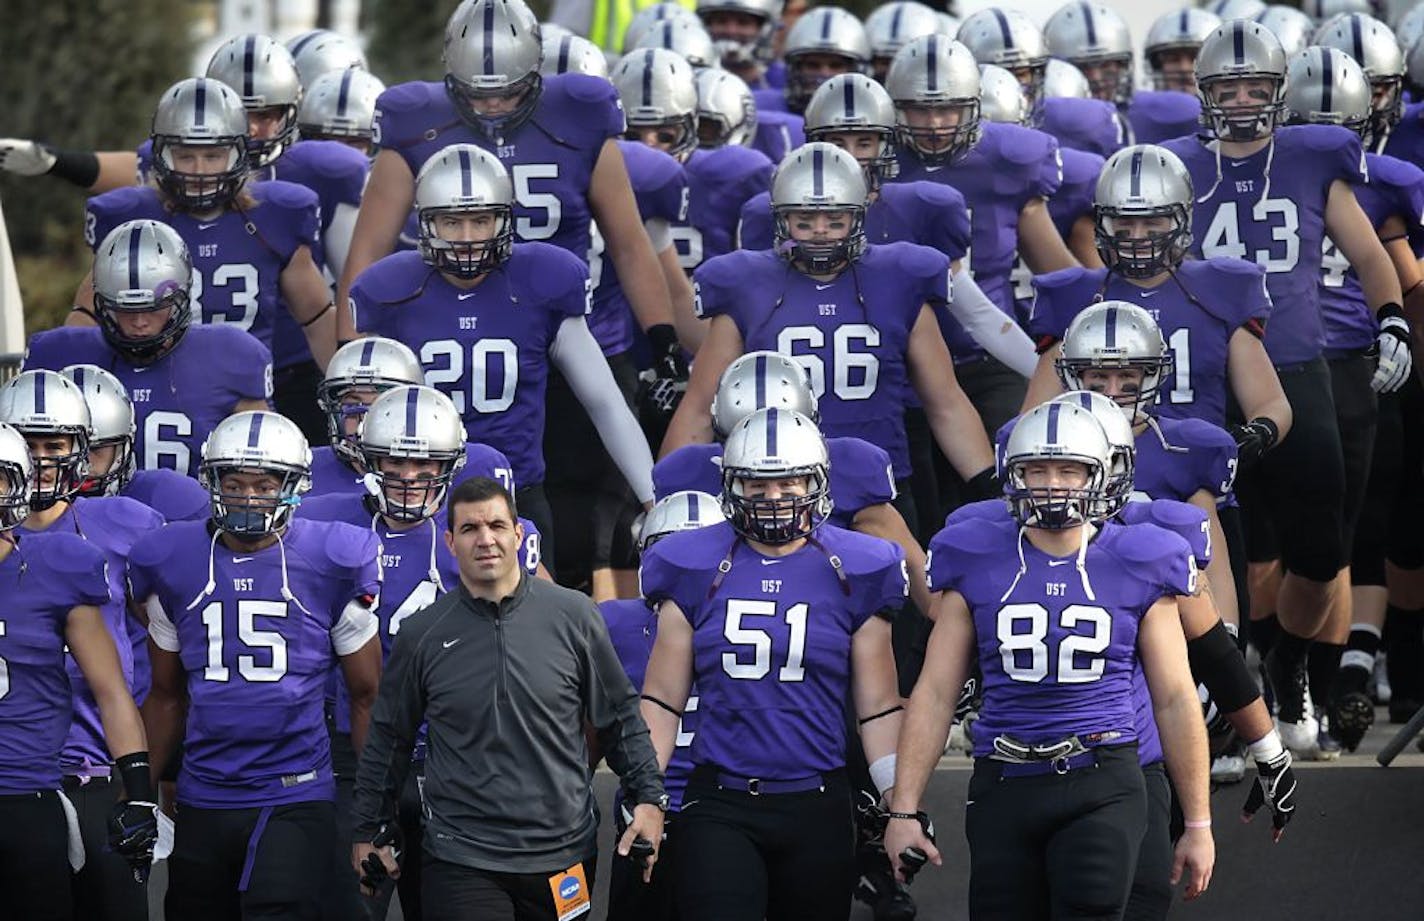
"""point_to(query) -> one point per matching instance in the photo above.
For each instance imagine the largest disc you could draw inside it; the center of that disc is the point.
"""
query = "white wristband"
(882, 772)
(1267, 747)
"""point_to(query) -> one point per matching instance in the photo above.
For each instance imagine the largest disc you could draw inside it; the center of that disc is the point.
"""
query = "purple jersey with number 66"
(771, 641)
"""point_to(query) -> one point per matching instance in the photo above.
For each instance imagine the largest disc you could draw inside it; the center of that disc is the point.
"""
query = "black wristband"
(984, 485)
(663, 339)
(319, 314)
(80, 167)
(134, 770)
(664, 704)
(1390, 310)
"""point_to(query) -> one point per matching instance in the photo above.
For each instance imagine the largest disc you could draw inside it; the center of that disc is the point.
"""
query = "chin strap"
(212, 582)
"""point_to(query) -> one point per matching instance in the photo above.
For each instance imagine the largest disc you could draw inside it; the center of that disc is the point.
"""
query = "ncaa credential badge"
(570, 892)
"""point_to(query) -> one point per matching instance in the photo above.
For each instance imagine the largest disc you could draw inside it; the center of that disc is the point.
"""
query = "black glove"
(1274, 787)
(1253, 440)
(668, 363)
(983, 485)
(133, 833)
(373, 870)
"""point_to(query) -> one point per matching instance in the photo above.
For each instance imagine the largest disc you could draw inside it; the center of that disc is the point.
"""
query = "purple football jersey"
(633, 627)
(238, 256)
(1057, 662)
(926, 213)
(170, 494)
(112, 524)
(179, 398)
(769, 99)
(1269, 208)
(1198, 309)
(861, 475)
(41, 581)
(1009, 167)
(1090, 125)
(1073, 201)
(487, 348)
(720, 182)
(1161, 115)
(660, 188)
(257, 661)
(851, 334)
(1396, 188)
(778, 133)
(550, 157)
(772, 678)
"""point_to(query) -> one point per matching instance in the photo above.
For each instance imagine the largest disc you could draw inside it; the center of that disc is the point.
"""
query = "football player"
(824, 42)
(733, 602)
(248, 614)
(1171, 109)
(183, 378)
(743, 31)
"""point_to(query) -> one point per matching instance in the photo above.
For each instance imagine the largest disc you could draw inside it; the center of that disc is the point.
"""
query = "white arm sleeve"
(997, 332)
(356, 626)
(336, 242)
(582, 363)
(160, 628)
(659, 232)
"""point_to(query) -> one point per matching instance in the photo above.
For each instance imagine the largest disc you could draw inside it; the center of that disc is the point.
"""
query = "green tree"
(82, 75)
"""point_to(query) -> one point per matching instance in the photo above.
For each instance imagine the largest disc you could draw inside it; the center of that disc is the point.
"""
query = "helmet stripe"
(488, 43)
(466, 189)
(255, 430)
(692, 507)
(1135, 174)
(771, 431)
(817, 169)
(306, 40)
(932, 63)
(565, 44)
(760, 378)
(1182, 24)
(412, 405)
(345, 91)
(895, 22)
(79, 375)
(1327, 80)
(249, 64)
(1238, 42)
(1053, 410)
(849, 99)
(39, 394)
(826, 27)
(368, 351)
(1089, 23)
(1005, 33)
(1357, 40)
(648, 77)
(135, 238)
(1110, 331)
(200, 104)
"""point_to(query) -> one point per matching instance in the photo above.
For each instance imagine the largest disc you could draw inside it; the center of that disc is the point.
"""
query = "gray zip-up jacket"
(505, 689)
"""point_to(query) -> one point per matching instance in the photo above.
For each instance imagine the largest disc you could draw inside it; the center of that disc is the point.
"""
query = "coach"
(507, 671)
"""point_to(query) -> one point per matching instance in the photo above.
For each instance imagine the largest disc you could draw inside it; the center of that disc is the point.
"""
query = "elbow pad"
(1218, 664)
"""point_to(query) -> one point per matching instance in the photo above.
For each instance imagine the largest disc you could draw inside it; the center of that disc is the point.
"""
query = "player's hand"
(1395, 360)
(1253, 439)
(1274, 787)
(668, 362)
(376, 861)
(133, 833)
(1195, 856)
(645, 829)
(904, 834)
(25, 157)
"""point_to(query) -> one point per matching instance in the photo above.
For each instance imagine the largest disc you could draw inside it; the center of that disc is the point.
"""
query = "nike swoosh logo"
(1059, 562)
(769, 562)
(448, 643)
(969, 802)
(241, 559)
(1146, 293)
(206, 226)
(1237, 162)
(824, 287)
(467, 294)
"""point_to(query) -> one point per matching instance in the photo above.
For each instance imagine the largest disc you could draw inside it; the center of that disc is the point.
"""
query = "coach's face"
(484, 539)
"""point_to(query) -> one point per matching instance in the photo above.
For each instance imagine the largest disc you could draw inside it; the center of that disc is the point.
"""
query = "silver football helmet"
(341, 106)
(659, 92)
(199, 112)
(856, 103)
(819, 177)
(1374, 47)
(255, 442)
(681, 36)
(265, 76)
(372, 364)
(1410, 28)
(572, 54)
(141, 268)
(1092, 36)
(758, 380)
(111, 424)
(892, 26)
(734, 49)
(1120, 437)
(464, 179)
(1001, 99)
(40, 403)
(1143, 181)
(17, 475)
(935, 85)
(411, 423)
(1009, 39)
(492, 52)
(321, 51)
(1227, 10)
(1058, 432)
(827, 31)
(775, 444)
(1181, 30)
(1324, 86)
(726, 110)
(649, 16)
(1241, 50)
(1063, 80)
(1292, 28)
(681, 511)
(1323, 11)
(1116, 336)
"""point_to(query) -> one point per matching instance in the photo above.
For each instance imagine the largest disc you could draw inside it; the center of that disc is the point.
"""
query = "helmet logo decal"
(255, 431)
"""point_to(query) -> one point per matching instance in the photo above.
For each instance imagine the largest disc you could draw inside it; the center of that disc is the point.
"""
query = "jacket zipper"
(501, 692)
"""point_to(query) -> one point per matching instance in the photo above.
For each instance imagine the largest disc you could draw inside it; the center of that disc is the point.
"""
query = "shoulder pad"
(124, 200)
(334, 159)
(980, 511)
(735, 161)
(153, 549)
(861, 554)
(1392, 171)
(582, 88)
(654, 168)
(71, 554)
(856, 452)
(934, 194)
(235, 349)
(733, 270)
(976, 536)
(285, 195)
(547, 272)
(1196, 433)
(698, 549)
(405, 97)
(1149, 543)
(1323, 137)
(54, 349)
(916, 261)
(1080, 167)
(1222, 265)
(482, 460)
(329, 507)
(1064, 279)
(1024, 146)
(346, 545)
(122, 514)
(392, 278)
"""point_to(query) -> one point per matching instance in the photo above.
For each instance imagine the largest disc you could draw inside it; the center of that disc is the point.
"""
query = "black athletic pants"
(782, 857)
(105, 890)
(452, 892)
(1356, 415)
(34, 861)
(248, 864)
(631, 899)
(1151, 896)
(1060, 846)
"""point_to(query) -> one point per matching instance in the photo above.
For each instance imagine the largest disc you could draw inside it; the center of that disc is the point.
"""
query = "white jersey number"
(755, 663)
(493, 372)
(420, 598)
(1223, 235)
(854, 373)
(240, 281)
(551, 211)
(161, 448)
(1022, 631)
(273, 643)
